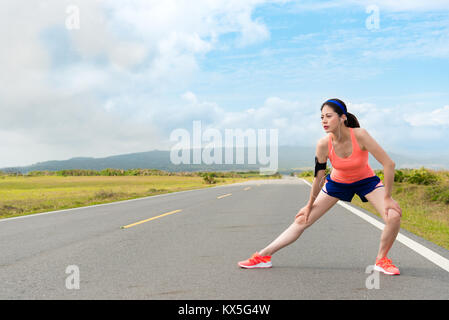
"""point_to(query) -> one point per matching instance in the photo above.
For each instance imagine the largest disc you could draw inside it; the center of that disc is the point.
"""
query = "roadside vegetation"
(41, 191)
(423, 195)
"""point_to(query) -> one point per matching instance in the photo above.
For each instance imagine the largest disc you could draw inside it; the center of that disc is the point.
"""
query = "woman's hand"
(389, 203)
(305, 211)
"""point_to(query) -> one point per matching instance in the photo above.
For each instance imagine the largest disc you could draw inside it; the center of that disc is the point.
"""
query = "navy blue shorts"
(346, 191)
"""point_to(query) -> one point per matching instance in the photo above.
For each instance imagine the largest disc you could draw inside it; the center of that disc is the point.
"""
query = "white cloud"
(407, 5)
(296, 122)
(112, 98)
(393, 6)
(437, 117)
(190, 97)
(361, 108)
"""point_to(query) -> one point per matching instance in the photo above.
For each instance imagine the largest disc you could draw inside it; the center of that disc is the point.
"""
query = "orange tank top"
(350, 169)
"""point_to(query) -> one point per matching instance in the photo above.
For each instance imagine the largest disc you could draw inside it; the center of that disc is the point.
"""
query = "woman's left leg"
(392, 221)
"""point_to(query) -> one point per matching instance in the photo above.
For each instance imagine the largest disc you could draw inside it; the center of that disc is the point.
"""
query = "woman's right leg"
(321, 205)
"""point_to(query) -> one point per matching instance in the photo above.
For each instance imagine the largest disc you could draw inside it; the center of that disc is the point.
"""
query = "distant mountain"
(290, 158)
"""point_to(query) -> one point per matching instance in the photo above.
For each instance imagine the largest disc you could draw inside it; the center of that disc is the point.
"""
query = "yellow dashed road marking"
(225, 195)
(146, 220)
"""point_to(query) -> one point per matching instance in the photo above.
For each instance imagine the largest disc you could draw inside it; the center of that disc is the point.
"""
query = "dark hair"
(351, 122)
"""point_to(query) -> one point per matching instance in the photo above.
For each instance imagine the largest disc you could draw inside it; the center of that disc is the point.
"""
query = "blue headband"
(338, 104)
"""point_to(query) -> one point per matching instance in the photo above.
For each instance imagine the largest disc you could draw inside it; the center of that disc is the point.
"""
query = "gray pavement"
(193, 254)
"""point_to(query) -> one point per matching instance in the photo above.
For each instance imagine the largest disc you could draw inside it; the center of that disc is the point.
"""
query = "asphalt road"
(193, 253)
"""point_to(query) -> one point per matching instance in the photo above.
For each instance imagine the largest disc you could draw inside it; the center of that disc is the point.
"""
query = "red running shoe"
(386, 266)
(256, 261)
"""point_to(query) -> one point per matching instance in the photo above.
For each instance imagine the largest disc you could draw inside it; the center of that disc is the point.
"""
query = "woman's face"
(329, 119)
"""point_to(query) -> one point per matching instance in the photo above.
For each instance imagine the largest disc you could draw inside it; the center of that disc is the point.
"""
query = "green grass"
(424, 199)
(23, 195)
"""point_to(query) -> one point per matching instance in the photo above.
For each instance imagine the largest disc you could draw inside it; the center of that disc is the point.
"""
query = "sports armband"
(319, 166)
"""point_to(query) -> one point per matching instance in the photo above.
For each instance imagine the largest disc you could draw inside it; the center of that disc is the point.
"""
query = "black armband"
(319, 166)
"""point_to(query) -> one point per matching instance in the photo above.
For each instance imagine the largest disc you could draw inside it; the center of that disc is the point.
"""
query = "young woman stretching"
(347, 146)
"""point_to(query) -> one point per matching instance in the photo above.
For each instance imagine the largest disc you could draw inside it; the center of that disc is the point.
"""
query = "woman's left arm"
(376, 150)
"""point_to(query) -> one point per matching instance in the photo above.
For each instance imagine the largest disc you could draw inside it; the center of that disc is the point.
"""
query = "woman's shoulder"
(323, 141)
(360, 134)
(359, 131)
(322, 146)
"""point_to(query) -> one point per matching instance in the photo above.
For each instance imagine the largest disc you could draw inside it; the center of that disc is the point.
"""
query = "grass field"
(424, 203)
(23, 195)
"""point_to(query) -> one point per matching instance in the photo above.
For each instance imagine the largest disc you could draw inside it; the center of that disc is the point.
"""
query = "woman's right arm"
(318, 182)
(321, 154)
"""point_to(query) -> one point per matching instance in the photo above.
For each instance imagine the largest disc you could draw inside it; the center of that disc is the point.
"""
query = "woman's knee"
(301, 222)
(393, 216)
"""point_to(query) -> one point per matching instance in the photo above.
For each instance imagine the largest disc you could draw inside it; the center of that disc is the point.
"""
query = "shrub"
(438, 193)
(112, 172)
(422, 176)
(76, 172)
(399, 176)
(39, 173)
(308, 173)
(380, 174)
(209, 178)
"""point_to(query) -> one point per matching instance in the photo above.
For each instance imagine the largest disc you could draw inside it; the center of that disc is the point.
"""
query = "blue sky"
(331, 52)
(135, 71)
